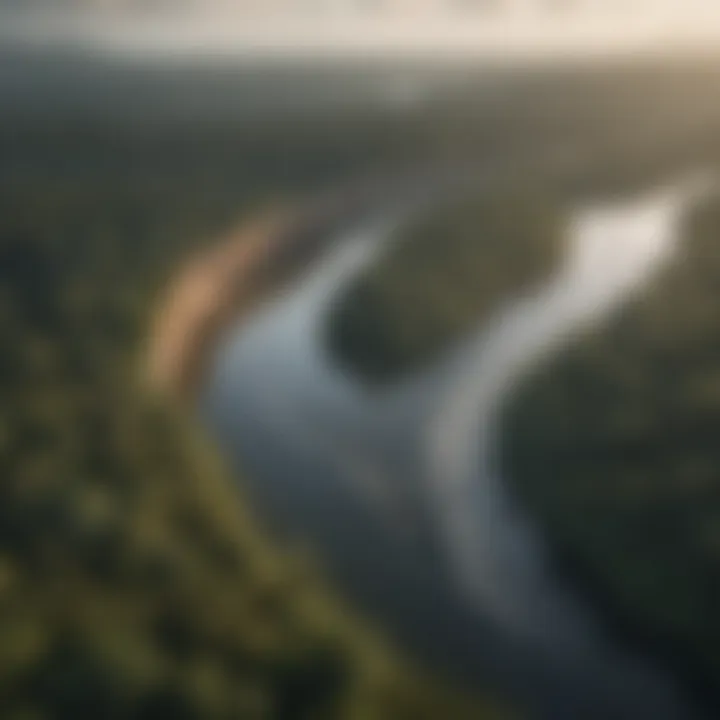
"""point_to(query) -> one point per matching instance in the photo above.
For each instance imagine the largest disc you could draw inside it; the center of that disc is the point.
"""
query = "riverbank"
(317, 445)
(213, 291)
(448, 270)
(612, 444)
(210, 291)
(220, 286)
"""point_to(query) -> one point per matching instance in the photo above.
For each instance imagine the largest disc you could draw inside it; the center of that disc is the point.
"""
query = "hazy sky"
(497, 26)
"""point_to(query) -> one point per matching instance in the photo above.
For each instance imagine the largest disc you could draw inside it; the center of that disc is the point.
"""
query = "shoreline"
(220, 286)
(205, 294)
(217, 287)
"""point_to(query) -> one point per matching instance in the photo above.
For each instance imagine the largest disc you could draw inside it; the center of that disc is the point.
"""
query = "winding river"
(396, 491)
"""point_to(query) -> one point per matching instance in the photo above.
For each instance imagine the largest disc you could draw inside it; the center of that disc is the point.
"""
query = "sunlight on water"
(613, 250)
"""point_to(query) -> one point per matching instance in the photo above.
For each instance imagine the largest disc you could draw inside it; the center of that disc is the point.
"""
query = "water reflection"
(397, 493)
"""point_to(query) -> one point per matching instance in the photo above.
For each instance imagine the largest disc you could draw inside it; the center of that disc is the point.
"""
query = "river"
(396, 492)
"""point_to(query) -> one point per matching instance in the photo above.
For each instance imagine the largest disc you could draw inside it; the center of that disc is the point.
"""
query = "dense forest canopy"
(134, 582)
(613, 444)
(445, 274)
(541, 141)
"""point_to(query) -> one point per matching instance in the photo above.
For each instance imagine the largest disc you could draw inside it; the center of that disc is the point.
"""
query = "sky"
(480, 26)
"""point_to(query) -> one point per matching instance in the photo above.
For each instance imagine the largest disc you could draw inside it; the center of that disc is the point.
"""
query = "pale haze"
(503, 27)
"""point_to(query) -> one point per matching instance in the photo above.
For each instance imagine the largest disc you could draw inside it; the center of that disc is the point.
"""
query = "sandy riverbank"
(218, 287)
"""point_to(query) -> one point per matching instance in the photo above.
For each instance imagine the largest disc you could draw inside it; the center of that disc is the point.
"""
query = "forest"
(541, 142)
(613, 444)
(134, 581)
(440, 278)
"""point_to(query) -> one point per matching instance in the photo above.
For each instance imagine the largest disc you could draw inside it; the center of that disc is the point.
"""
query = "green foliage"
(575, 133)
(614, 445)
(446, 273)
(133, 583)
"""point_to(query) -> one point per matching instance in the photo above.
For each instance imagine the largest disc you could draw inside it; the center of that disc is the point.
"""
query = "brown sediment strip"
(218, 287)
(210, 290)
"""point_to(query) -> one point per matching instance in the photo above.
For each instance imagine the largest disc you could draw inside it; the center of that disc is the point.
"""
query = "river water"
(396, 491)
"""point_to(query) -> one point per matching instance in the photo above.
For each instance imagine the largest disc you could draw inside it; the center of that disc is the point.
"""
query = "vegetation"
(614, 446)
(446, 272)
(576, 134)
(133, 582)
